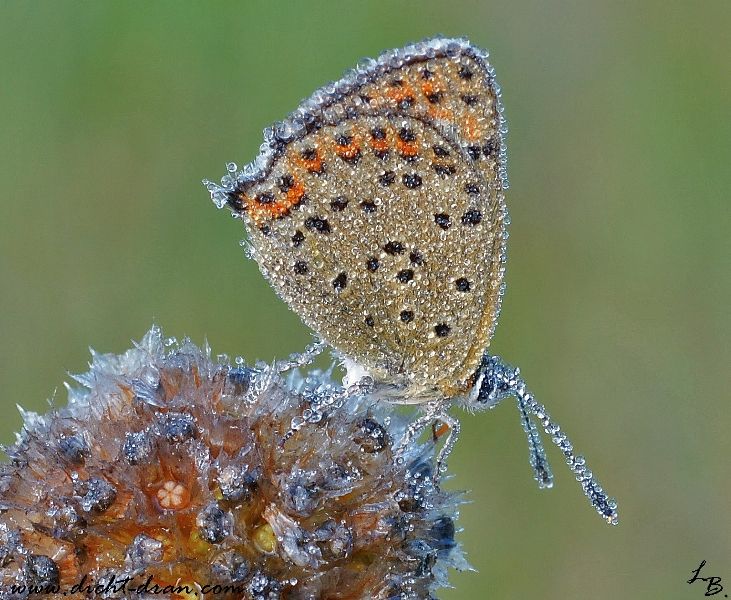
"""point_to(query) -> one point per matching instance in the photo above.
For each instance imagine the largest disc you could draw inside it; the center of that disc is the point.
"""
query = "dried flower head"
(165, 476)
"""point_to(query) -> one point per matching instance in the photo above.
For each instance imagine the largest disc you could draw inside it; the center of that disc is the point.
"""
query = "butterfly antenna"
(504, 381)
(604, 505)
(538, 459)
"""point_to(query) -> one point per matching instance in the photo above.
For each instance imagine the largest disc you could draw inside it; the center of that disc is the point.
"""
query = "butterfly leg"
(325, 400)
(300, 359)
(435, 412)
(497, 381)
(416, 427)
(454, 428)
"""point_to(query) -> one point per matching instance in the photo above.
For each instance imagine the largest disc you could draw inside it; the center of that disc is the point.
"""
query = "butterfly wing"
(448, 82)
(376, 212)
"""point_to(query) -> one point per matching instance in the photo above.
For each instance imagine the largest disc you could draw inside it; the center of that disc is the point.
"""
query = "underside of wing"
(379, 233)
(376, 211)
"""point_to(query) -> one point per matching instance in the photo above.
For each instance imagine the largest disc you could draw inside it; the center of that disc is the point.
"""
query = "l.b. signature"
(714, 583)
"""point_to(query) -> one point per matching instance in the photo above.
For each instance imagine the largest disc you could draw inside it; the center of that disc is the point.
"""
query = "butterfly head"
(493, 382)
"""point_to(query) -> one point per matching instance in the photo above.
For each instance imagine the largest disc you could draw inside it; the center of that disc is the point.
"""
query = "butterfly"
(376, 211)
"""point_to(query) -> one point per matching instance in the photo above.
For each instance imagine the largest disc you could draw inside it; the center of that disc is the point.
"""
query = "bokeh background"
(619, 283)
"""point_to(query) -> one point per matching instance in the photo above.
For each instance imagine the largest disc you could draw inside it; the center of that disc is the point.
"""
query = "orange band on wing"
(472, 128)
(407, 149)
(348, 152)
(380, 145)
(277, 208)
(400, 95)
(312, 162)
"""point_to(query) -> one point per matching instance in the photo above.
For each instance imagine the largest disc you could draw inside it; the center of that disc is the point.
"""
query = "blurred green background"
(617, 306)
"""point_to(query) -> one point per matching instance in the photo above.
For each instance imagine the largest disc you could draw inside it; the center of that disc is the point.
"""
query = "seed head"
(167, 467)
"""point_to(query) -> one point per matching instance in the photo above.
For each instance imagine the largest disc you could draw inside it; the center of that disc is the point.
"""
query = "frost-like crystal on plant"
(167, 468)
